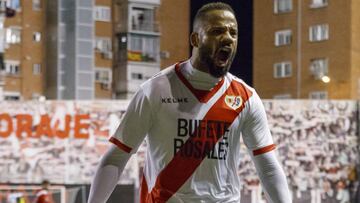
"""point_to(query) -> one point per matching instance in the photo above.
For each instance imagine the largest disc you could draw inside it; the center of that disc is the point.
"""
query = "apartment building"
(307, 49)
(103, 48)
(81, 66)
(48, 50)
(149, 35)
(88, 49)
(22, 50)
(138, 39)
(175, 26)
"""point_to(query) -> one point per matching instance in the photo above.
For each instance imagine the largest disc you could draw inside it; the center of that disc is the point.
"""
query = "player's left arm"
(272, 177)
(257, 138)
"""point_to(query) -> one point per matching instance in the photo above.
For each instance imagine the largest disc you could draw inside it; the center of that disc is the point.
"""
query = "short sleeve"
(256, 133)
(135, 124)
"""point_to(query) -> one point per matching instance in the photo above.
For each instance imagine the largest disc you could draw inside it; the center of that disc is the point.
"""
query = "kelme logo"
(233, 102)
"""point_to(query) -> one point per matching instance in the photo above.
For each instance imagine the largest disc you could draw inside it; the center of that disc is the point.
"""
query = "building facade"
(307, 49)
(104, 52)
(70, 51)
(85, 57)
(88, 49)
(138, 41)
(22, 47)
(149, 35)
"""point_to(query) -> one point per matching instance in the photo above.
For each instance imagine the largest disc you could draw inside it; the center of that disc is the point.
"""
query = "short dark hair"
(210, 7)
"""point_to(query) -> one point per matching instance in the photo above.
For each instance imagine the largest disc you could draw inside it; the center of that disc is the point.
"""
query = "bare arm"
(272, 177)
(107, 174)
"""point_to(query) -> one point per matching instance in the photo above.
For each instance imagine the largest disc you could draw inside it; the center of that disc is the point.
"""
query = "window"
(37, 36)
(319, 67)
(12, 67)
(103, 44)
(282, 6)
(319, 32)
(13, 35)
(36, 4)
(318, 95)
(143, 48)
(282, 96)
(14, 4)
(282, 70)
(137, 76)
(318, 3)
(103, 75)
(2, 5)
(283, 37)
(102, 13)
(136, 43)
(12, 96)
(35, 96)
(143, 19)
(36, 69)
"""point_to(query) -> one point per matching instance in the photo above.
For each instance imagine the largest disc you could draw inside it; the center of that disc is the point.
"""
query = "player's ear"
(194, 39)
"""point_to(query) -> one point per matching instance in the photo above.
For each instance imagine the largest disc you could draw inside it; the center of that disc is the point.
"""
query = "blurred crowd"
(317, 145)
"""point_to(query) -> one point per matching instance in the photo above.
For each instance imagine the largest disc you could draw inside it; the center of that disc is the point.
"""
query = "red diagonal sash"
(180, 168)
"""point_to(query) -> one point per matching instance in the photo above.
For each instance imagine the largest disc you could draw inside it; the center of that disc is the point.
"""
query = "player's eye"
(233, 33)
(216, 31)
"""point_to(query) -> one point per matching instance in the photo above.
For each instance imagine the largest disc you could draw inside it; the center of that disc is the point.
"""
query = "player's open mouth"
(222, 56)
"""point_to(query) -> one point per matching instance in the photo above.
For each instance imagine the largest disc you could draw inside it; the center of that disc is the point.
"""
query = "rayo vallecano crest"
(233, 102)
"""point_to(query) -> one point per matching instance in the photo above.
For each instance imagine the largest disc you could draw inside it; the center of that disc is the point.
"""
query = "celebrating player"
(192, 115)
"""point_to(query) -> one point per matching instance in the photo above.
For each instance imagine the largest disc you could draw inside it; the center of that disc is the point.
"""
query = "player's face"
(218, 41)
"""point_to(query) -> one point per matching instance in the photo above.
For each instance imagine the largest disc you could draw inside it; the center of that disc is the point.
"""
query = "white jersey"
(193, 136)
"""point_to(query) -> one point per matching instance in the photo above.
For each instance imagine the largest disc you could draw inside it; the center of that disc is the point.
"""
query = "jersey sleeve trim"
(263, 150)
(121, 145)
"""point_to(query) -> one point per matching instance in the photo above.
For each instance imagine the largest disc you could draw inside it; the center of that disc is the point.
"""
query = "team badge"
(233, 102)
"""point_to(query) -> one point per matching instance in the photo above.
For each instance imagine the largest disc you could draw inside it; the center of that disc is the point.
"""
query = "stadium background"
(44, 137)
(62, 141)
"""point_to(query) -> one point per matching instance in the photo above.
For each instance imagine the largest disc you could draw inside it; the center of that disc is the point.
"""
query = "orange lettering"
(6, 118)
(79, 127)
(64, 134)
(24, 124)
(44, 127)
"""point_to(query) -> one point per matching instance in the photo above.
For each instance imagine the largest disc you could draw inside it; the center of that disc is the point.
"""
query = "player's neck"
(198, 79)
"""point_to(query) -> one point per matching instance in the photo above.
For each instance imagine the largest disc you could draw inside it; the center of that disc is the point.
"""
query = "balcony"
(145, 26)
(138, 56)
(143, 48)
(143, 20)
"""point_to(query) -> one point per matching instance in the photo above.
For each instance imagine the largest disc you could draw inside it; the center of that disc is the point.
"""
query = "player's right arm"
(107, 175)
(129, 135)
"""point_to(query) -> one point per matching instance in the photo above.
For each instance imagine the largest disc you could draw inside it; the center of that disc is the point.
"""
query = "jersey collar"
(202, 95)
